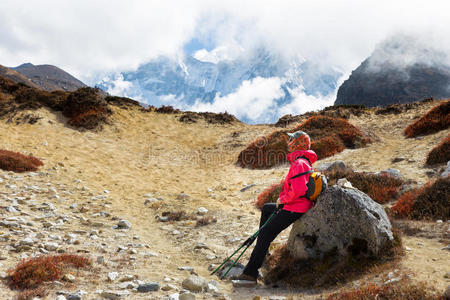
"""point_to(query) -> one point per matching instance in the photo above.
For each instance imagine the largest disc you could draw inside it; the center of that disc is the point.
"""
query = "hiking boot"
(244, 277)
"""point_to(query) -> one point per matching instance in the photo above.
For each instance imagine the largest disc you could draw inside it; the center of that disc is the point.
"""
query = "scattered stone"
(446, 248)
(392, 172)
(11, 209)
(233, 240)
(45, 143)
(168, 287)
(127, 277)
(201, 246)
(243, 283)
(151, 254)
(174, 296)
(3, 275)
(75, 296)
(111, 294)
(150, 200)
(124, 224)
(26, 241)
(212, 288)
(128, 285)
(69, 278)
(447, 275)
(163, 219)
(183, 196)
(395, 279)
(112, 276)
(186, 268)
(343, 182)
(236, 270)
(194, 283)
(246, 187)
(51, 246)
(407, 248)
(277, 298)
(187, 296)
(439, 221)
(202, 211)
(148, 287)
(60, 297)
(397, 159)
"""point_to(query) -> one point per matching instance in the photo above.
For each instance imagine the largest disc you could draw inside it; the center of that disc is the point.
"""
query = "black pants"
(276, 225)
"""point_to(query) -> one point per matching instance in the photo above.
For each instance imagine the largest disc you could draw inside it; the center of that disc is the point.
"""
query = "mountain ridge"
(48, 77)
(400, 70)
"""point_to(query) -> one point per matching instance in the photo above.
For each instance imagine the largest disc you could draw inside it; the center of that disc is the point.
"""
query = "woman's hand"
(279, 204)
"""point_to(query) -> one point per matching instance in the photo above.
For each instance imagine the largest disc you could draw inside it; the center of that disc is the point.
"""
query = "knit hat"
(299, 140)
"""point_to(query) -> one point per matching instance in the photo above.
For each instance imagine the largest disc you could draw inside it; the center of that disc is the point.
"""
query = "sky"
(89, 38)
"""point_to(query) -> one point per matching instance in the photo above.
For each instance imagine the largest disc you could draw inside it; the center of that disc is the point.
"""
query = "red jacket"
(293, 189)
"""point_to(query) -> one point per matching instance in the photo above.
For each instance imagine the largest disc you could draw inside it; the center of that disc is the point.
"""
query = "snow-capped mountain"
(189, 83)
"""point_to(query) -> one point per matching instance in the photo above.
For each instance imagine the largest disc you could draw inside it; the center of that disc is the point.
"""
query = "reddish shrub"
(434, 201)
(18, 162)
(324, 126)
(401, 290)
(167, 110)
(403, 206)
(86, 107)
(327, 146)
(328, 137)
(441, 153)
(332, 135)
(209, 117)
(29, 274)
(265, 152)
(383, 193)
(381, 188)
(90, 119)
(269, 195)
(431, 202)
(39, 292)
(437, 119)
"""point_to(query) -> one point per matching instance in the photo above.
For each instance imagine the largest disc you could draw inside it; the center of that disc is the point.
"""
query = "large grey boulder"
(345, 221)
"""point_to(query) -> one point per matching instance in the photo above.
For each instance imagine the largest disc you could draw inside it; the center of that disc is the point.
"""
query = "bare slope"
(16, 76)
(49, 78)
(149, 152)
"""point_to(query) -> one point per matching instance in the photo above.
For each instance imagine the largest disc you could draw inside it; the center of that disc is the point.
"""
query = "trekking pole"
(247, 243)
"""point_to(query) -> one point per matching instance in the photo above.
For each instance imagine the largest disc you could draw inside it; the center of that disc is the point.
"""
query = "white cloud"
(254, 100)
(119, 86)
(303, 103)
(221, 53)
(86, 37)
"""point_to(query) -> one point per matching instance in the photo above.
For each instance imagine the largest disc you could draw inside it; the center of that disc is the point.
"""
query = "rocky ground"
(106, 195)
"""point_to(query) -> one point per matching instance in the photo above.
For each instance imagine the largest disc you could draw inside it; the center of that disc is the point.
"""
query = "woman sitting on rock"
(291, 202)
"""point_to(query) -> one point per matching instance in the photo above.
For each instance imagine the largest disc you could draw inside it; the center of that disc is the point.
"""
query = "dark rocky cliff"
(387, 84)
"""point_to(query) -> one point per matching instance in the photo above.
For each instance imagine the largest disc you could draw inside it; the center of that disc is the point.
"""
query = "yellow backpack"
(317, 183)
